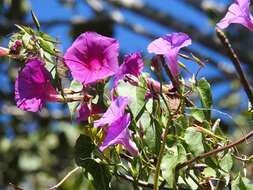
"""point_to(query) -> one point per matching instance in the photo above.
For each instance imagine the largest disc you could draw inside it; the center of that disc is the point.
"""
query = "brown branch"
(235, 60)
(215, 151)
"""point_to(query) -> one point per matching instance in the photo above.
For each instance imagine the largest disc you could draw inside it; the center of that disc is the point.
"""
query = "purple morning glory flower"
(118, 122)
(118, 133)
(238, 12)
(169, 46)
(115, 111)
(132, 64)
(33, 87)
(92, 57)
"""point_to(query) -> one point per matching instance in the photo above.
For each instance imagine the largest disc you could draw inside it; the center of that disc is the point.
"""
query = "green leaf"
(46, 37)
(149, 131)
(100, 175)
(47, 46)
(25, 29)
(241, 183)
(209, 172)
(175, 155)
(197, 114)
(135, 94)
(204, 91)
(194, 140)
(226, 163)
(26, 39)
(35, 20)
(76, 86)
(83, 150)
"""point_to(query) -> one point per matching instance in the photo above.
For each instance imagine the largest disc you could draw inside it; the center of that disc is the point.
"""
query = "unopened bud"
(16, 47)
(155, 65)
(4, 51)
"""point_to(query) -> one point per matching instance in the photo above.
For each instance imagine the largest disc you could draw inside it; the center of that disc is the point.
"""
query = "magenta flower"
(92, 57)
(238, 12)
(113, 113)
(33, 87)
(118, 122)
(85, 111)
(118, 133)
(169, 46)
(132, 64)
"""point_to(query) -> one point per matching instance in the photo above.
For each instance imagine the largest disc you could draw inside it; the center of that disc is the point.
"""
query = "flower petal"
(238, 13)
(169, 46)
(132, 64)
(32, 86)
(92, 57)
(113, 113)
(117, 133)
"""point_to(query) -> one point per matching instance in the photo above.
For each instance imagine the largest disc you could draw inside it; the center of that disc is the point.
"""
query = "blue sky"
(129, 41)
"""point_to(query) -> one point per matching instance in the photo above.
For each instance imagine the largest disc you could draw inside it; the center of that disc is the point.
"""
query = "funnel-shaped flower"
(132, 64)
(169, 46)
(118, 133)
(33, 87)
(238, 12)
(118, 122)
(92, 57)
(114, 112)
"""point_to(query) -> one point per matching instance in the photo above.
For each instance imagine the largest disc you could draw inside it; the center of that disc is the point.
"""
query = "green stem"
(159, 160)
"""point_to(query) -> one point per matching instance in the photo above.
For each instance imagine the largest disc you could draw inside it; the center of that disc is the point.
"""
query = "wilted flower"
(92, 57)
(238, 12)
(33, 87)
(118, 122)
(169, 46)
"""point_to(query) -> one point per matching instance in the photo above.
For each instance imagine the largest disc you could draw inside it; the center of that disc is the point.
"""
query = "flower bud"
(4, 51)
(15, 48)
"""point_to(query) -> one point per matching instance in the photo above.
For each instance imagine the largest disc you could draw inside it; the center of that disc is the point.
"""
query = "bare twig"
(224, 40)
(65, 178)
(215, 151)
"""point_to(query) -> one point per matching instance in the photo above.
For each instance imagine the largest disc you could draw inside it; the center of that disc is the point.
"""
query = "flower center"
(96, 64)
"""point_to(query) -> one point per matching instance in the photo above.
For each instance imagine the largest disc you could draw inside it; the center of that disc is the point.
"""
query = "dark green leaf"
(35, 20)
(83, 150)
(101, 176)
